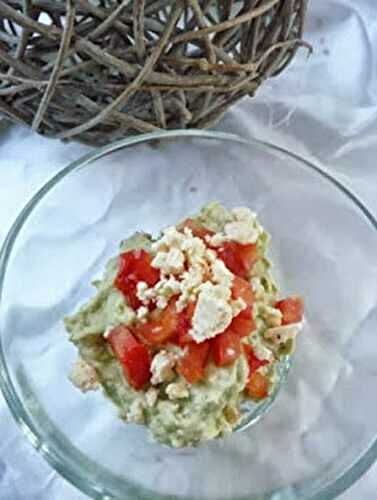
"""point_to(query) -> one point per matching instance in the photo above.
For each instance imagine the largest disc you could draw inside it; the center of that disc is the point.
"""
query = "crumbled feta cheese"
(142, 291)
(171, 237)
(217, 239)
(151, 397)
(237, 306)
(257, 287)
(177, 390)
(192, 279)
(243, 229)
(161, 302)
(194, 248)
(162, 367)
(241, 232)
(171, 262)
(142, 313)
(271, 315)
(135, 413)
(213, 313)
(244, 214)
(168, 287)
(221, 274)
(84, 376)
(262, 352)
(280, 334)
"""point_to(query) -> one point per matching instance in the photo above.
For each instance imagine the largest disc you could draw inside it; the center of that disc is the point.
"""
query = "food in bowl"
(186, 327)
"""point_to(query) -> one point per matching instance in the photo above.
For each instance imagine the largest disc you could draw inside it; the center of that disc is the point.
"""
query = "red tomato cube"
(192, 365)
(292, 309)
(226, 348)
(134, 357)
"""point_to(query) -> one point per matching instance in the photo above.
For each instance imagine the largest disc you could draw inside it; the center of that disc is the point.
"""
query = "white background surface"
(324, 108)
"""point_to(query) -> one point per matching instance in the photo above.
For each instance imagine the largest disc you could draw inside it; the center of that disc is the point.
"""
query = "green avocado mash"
(176, 412)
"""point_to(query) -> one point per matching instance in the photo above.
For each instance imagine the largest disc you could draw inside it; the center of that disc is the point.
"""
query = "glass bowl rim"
(69, 471)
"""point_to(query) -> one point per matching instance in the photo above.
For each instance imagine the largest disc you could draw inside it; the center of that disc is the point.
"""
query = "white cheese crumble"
(171, 238)
(257, 287)
(192, 279)
(262, 352)
(280, 334)
(241, 232)
(142, 313)
(237, 306)
(177, 390)
(151, 397)
(213, 313)
(161, 293)
(162, 367)
(142, 291)
(171, 262)
(271, 315)
(244, 214)
(243, 229)
(221, 274)
(83, 376)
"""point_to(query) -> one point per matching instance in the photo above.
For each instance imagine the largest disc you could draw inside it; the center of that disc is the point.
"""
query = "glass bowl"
(321, 433)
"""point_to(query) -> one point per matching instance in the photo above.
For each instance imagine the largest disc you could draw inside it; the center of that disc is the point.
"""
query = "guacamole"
(185, 327)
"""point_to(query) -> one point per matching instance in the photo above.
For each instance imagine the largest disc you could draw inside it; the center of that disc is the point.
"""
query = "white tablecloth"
(324, 108)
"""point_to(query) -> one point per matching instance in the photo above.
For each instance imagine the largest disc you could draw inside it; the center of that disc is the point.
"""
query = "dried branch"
(98, 71)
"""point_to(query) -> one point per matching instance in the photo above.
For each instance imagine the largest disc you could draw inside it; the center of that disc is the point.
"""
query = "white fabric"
(324, 108)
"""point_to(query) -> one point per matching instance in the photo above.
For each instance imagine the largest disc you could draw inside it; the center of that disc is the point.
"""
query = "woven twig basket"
(97, 70)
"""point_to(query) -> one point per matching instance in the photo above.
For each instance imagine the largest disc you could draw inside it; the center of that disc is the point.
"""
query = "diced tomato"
(228, 254)
(292, 309)
(241, 326)
(248, 254)
(257, 386)
(134, 357)
(197, 229)
(184, 324)
(226, 348)
(192, 365)
(135, 266)
(160, 329)
(246, 313)
(238, 258)
(254, 362)
(241, 289)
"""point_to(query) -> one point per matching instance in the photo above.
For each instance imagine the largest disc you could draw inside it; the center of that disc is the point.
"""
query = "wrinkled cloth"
(323, 108)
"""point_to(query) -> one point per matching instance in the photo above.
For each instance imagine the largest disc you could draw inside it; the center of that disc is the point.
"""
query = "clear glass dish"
(321, 433)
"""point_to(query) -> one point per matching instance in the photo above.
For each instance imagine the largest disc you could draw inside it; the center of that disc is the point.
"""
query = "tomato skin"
(228, 254)
(246, 313)
(292, 309)
(257, 386)
(241, 326)
(161, 329)
(226, 348)
(134, 357)
(197, 229)
(248, 255)
(192, 365)
(185, 324)
(135, 266)
(144, 270)
(241, 289)
(239, 259)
